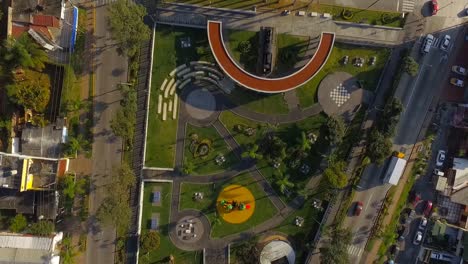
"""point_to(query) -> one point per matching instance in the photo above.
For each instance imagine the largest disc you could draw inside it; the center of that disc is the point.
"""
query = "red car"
(435, 7)
(428, 208)
(358, 209)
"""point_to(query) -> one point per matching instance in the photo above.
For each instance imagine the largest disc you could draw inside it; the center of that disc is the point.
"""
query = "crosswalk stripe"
(408, 6)
(354, 250)
(436, 42)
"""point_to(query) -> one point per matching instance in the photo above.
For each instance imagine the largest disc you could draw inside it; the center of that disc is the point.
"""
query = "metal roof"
(26, 242)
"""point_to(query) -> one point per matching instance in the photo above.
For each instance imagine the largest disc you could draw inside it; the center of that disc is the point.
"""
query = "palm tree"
(304, 143)
(252, 152)
(76, 144)
(284, 183)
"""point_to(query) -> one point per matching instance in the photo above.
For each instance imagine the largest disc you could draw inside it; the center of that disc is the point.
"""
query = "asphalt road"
(110, 70)
(416, 95)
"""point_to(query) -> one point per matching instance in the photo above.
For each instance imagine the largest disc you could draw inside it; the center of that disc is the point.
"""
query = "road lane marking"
(368, 200)
(355, 250)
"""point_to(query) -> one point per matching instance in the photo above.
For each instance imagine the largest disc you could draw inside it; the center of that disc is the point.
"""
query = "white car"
(457, 82)
(445, 42)
(417, 238)
(423, 223)
(439, 172)
(459, 70)
(440, 158)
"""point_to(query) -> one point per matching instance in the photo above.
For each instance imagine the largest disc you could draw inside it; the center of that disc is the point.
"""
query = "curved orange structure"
(267, 85)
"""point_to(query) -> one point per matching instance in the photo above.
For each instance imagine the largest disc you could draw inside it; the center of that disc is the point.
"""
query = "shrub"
(346, 14)
(18, 223)
(245, 46)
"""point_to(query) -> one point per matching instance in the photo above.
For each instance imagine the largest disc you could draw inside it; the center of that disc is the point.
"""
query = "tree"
(335, 130)
(410, 66)
(150, 241)
(76, 145)
(335, 251)
(335, 175)
(18, 223)
(379, 147)
(274, 149)
(115, 210)
(304, 143)
(246, 252)
(283, 183)
(123, 124)
(127, 27)
(31, 90)
(23, 52)
(67, 251)
(42, 228)
(252, 152)
(244, 46)
(71, 187)
(390, 116)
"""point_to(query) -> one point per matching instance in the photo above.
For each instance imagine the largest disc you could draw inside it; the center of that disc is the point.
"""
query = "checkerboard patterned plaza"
(340, 95)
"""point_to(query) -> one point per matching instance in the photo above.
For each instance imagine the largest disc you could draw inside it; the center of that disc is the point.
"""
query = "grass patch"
(302, 235)
(247, 60)
(71, 88)
(166, 248)
(264, 208)
(373, 17)
(290, 50)
(259, 102)
(230, 120)
(289, 133)
(368, 74)
(207, 165)
(161, 139)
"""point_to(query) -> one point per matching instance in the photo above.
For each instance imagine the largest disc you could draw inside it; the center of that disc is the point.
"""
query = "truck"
(395, 168)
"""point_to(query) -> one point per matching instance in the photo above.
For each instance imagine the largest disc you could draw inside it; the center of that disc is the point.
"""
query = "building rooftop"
(461, 172)
(41, 141)
(27, 249)
(21, 202)
(46, 20)
(24, 9)
(460, 196)
(10, 171)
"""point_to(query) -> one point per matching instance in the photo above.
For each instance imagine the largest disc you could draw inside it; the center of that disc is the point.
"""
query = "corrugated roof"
(26, 242)
(45, 20)
(460, 197)
(395, 170)
(23, 256)
(461, 174)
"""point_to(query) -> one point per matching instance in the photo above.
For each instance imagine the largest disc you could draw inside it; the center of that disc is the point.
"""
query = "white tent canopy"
(275, 250)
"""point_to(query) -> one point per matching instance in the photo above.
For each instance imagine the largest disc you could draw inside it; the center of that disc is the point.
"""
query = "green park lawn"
(264, 209)
(290, 133)
(368, 74)
(207, 164)
(259, 102)
(290, 50)
(230, 120)
(312, 218)
(166, 247)
(373, 17)
(161, 137)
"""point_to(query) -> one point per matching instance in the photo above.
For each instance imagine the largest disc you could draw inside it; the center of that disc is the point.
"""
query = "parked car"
(435, 7)
(358, 208)
(428, 208)
(417, 198)
(301, 13)
(445, 42)
(286, 12)
(426, 46)
(457, 82)
(459, 70)
(417, 238)
(439, 172)
(423, 223)
(440, 158)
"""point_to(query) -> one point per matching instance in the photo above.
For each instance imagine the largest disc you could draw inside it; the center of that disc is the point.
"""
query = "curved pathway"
(267, 85)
